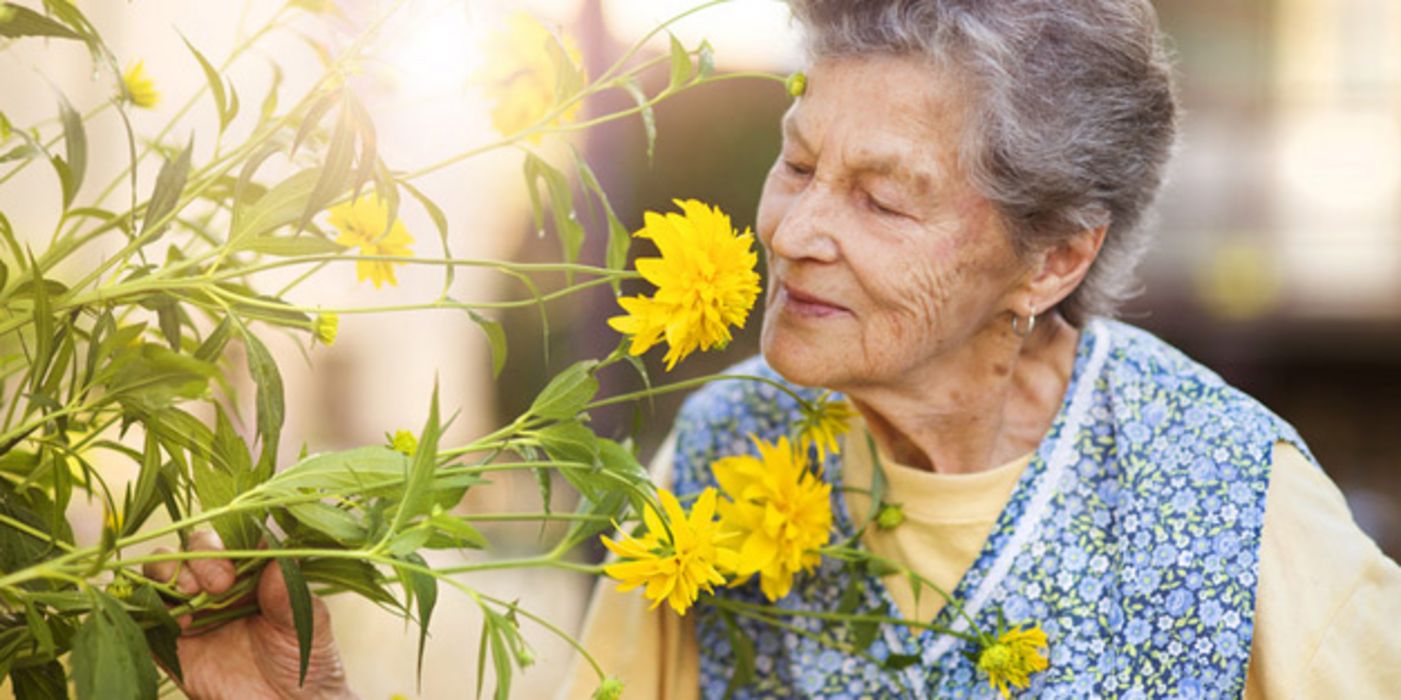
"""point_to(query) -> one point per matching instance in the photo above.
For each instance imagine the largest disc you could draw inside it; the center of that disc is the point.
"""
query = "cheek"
(773, 202)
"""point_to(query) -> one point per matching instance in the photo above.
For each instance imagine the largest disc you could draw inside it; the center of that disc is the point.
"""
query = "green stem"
(844, 617)
(698, 381)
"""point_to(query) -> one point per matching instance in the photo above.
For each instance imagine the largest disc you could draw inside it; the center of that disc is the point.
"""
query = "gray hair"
(1075, 113)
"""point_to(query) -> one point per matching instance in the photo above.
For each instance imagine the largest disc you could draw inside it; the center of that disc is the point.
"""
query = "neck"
(986, 403)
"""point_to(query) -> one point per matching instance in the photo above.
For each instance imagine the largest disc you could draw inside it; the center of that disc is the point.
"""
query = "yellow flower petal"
(364, 223)
(705, 282)
(139, 87)
(780, 510)
(674, 565)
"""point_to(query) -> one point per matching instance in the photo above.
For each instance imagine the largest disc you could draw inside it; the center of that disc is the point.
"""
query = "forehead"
(881, 112)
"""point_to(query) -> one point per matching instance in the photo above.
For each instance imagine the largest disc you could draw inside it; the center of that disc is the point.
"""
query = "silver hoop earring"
(1021, 330)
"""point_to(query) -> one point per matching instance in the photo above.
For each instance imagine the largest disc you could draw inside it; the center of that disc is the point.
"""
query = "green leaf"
(331, 521)
(566, 222)
(213, 345)
(299, 596)
(65, 179)
(705, 60)
(150, 377)
(170, 184)
(290, 246)
(495, 337)
(567, 394)
(649, 118)
(334, 174)
(280, 206)
(313, 117)
(350, 575)
(458, 530)
(38, 628)
(271, 406)
(43, 330)
(42, 682)
(215, 81)
(219, 482)
(425, 591)
(569, 441)
(17, 21)
(269, 104)
(23, 150)
(111, 659)
(417, 485)
(440, 222)
(368, 470)
(75, 138)
(162, 630)
(609, 501)
(680, 64)
(228, 116)
(743, 648)
(898, 662)
(364, 127)
(146, 481)
(616, 257)
(569, 78)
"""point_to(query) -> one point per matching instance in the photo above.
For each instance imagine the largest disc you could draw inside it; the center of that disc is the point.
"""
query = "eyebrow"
(870, 162)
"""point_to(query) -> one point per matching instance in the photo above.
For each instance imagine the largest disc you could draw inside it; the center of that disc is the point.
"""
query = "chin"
(799, 361)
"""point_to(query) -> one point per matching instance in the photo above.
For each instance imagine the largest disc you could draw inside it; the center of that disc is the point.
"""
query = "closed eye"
(796, 169)
(883, 208)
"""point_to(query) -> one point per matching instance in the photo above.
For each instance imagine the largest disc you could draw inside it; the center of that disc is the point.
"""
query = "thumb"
(276, 603)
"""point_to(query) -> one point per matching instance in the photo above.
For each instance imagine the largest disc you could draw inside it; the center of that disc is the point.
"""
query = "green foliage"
(138, 357)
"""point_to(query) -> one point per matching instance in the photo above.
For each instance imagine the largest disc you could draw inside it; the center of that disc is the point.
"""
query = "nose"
(806, 229)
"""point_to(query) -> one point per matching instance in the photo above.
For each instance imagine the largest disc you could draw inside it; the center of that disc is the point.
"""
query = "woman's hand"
(254, 656)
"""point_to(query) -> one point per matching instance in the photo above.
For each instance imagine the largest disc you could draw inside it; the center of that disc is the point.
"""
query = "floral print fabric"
(1132, 538)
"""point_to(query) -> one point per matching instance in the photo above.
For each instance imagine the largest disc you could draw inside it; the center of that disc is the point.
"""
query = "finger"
(276, 603)
(214, 575)
(162, 571)
(273, 599)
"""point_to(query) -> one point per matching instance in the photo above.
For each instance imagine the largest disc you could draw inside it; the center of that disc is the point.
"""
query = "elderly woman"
(953, 218)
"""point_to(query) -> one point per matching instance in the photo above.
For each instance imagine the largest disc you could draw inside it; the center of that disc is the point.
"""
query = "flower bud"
(890, 516)
(326, 327)
(797, 84)
(610, 689)
(404, 442)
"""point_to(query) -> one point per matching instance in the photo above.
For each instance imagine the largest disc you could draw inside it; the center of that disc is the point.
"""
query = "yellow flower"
(326, 327)
(362, 223)
(404, 442)
(705, 282)
(1013, 658)
(675, 566)
(822, 424)
(142, 91)
(520, 77)
(782, 511)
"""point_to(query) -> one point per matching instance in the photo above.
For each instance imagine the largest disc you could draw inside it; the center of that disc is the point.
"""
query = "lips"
(803, 303)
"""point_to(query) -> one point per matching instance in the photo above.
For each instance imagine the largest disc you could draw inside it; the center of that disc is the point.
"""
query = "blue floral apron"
(1132, 538)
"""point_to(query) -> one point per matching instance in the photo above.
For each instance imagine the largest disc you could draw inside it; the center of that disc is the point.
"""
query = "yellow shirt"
(1327, 603)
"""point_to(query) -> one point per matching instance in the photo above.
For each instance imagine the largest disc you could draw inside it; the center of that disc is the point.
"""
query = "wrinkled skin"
(253, 657)
(892, 280)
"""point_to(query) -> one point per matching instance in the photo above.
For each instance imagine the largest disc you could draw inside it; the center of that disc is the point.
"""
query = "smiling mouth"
(807, 305)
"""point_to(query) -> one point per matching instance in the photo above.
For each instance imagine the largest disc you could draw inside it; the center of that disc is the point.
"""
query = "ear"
(1061, 268)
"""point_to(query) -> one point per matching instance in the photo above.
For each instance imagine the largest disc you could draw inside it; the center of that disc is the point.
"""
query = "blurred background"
(1278, 256)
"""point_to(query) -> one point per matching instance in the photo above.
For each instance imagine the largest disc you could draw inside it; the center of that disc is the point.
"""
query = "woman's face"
(883, 259)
